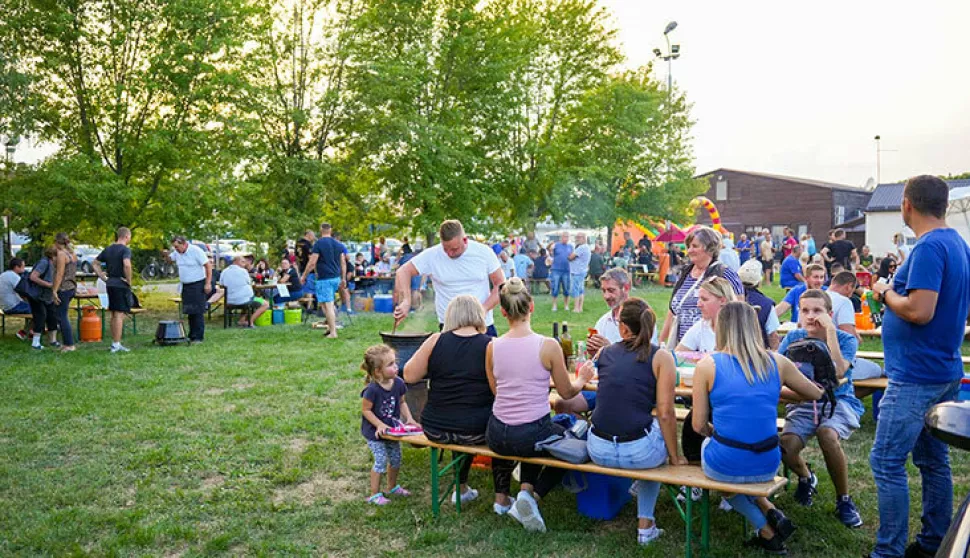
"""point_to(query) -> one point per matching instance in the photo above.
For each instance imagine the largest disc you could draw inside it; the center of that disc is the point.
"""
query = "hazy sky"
(801, 89)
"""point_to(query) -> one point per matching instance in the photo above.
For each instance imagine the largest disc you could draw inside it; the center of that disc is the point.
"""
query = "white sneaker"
(525, 510)
(119, 349)
(502, 510)
(695, 494)
(725, 505)
(634, 488)
(466, 496)
(647, 536)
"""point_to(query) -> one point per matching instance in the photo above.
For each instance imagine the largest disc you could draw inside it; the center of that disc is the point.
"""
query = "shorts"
(557, 280)
(577, 284)
(119, 299)
(255, 303)
(800, 421)
(590, 397)
(385, 453)
(326, 287)
(415, 283)
(767, 265)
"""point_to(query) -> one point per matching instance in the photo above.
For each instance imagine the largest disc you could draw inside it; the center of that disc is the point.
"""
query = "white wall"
(880, 228)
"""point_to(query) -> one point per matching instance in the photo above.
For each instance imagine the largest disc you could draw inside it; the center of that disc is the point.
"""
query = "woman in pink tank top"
(519, 365)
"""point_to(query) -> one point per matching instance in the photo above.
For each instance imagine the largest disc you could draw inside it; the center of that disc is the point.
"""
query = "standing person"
(628, 242)
(195, 276)
(791, 269)
(767, 256)
(42, 307)
(596, 265)
(65, 285)
(644, 245)
(788, 243)
(578, 268)
(304, 247)
(802, 420)
(840, 251)
(743, 382)
(327, 259)
(406, 247)
(744, 249)
(117, 260)
(559, 276)
(812, 250)
(508, 266)
(10, 301)
(519, 365)
(900, 250)
(531, 244)
(926, 311)
(728, 256)
(635, 377)
(457, 266)
(703, 247)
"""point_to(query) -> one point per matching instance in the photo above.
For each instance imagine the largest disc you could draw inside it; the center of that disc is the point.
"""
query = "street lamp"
(673, 53)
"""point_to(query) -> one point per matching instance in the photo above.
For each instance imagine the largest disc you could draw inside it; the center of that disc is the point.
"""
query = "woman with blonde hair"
(712, 295)
(742, 382)
(459, 397)
(519, 365)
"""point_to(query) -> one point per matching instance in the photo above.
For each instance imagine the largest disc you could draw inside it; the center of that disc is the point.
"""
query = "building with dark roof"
(884, 218)
(751, 201)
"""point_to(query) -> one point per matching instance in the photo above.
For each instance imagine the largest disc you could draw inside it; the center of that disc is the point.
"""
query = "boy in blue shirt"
(814, 279)
(922, 331)
(804, 420)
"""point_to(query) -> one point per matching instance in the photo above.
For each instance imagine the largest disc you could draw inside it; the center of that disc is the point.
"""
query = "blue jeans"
(559, 280)
(20, 308)
(577, 284)
(648, 452)
(900, 431)
(745, 505)
(294, 295)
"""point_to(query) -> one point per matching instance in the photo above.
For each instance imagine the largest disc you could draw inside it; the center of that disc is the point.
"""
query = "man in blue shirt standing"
(791, 269)
(922, 330)
(559, 274)
(803, 420)
(328, 260)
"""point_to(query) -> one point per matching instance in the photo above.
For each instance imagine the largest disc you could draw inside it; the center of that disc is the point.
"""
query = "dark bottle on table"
(566, 342)
(555, 331)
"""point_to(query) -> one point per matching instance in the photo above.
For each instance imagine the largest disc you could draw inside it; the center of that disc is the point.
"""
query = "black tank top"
(627, 392)
(459, 399)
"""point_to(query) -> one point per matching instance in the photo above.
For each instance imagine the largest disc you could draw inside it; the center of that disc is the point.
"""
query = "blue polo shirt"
(848, 346)
(329, 251)
(789, 268)
(560, 259)
(930, 354)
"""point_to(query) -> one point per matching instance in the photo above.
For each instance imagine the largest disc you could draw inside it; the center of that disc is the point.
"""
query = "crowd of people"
(495, 390)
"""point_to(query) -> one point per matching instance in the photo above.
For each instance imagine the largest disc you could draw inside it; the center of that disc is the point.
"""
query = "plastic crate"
(277, 316)
(601, 496)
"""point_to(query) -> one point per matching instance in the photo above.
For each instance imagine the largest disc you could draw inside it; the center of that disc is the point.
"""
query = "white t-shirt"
(508, 267)
(609, 327)
(772, 323)
(700, 337)
(842, 311)
(580, 264)
(466, 274)
(238, 285)
(9, 298)
(191, 264)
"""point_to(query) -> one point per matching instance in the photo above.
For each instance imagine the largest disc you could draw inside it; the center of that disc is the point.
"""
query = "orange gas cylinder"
(90, 325)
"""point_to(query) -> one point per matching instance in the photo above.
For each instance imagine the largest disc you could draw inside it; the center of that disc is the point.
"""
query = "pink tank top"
(521, 381)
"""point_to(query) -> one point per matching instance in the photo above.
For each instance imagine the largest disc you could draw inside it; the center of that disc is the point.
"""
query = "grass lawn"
(249, 444)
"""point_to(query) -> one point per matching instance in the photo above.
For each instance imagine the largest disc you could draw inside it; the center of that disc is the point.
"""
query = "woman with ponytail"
(519, 365)
(635, 377)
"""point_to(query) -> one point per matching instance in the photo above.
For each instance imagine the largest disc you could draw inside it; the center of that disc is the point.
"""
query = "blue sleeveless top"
(746, 413)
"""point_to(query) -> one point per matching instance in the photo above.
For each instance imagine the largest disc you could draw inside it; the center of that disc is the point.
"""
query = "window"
(839, 214)
(721, 193)
(802, 230)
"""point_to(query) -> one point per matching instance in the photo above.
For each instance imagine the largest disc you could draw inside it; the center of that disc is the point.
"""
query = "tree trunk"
(609, 239)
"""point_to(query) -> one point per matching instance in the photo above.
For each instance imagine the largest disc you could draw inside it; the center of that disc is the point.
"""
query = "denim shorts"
(646, 453)
(577, 284)
(720, 477)
(559, 280)
(801, 418)
(326, 287)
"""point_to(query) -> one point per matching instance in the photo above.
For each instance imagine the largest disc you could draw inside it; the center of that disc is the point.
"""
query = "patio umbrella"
(960, 203)
(672, 234)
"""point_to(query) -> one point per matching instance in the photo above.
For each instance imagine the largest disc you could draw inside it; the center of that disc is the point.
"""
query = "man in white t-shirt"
(239, 290)
(457, 266)
(578, 268)
(195, 276)
(843, 316)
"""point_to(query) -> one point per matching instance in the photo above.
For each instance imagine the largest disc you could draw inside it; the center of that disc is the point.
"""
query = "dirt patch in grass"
(215, 391)
(298, 445)
(212, 482)
(320, 487)
(240, 386)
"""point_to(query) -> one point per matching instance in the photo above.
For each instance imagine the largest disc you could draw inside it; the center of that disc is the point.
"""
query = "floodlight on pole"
(670, 27)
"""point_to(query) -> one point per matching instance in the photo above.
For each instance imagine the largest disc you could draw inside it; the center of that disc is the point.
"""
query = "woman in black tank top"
(459, 398)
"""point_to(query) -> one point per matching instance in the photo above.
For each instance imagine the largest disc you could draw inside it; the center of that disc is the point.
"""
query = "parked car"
(85, 258)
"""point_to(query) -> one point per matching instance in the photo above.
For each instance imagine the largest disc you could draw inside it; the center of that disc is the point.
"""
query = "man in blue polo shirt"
(328, 260)
(791, 269)
(814, 279)
(922, 331)
(559, 276)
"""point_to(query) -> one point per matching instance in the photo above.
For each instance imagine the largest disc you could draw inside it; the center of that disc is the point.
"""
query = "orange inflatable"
(701, 201)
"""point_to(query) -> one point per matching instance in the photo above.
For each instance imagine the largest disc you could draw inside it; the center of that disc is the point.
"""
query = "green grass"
(249, 445)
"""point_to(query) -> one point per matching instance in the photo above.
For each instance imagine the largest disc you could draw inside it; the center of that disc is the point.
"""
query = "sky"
(801, 89)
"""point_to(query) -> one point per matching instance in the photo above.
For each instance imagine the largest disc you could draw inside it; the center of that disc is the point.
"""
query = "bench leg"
(688, 519)
(705, 522)
(435, 504)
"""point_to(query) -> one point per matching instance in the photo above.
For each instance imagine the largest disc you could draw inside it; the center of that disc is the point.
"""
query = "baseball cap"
(750, 273)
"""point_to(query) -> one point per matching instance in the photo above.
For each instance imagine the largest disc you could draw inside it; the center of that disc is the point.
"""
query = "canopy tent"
(960, 204)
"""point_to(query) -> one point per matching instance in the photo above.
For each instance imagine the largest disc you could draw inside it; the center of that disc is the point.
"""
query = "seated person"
(803, 420)
(360, 266)
(262, 270)
(712, 295)
(383, 267)
(635, 377)
(239, 290)
(519, 366)
(814, 279)
(743, 382)
(291, 278)
(540, 265)
(523, 264)
(10, 301)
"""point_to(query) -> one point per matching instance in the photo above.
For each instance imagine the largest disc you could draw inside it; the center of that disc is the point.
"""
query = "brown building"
(751, 201)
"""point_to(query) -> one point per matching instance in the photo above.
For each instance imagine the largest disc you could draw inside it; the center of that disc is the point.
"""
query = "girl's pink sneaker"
(378, 500)
(399, 491)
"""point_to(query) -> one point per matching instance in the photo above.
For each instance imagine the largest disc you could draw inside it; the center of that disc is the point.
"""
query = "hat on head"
(750, 273)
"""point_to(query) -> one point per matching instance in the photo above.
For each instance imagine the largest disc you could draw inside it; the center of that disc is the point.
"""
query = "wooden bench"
(212, 307)
(3, 320)
(876, 355)
(672, 475)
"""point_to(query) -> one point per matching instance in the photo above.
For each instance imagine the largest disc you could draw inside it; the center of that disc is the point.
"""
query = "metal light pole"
(673, 53)
(878, 162)
(10, 145)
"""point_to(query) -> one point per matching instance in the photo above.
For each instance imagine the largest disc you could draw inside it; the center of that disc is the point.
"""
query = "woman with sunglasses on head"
(712, 295)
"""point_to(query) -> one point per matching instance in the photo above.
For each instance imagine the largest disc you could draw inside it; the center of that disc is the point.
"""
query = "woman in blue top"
(742, 382)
